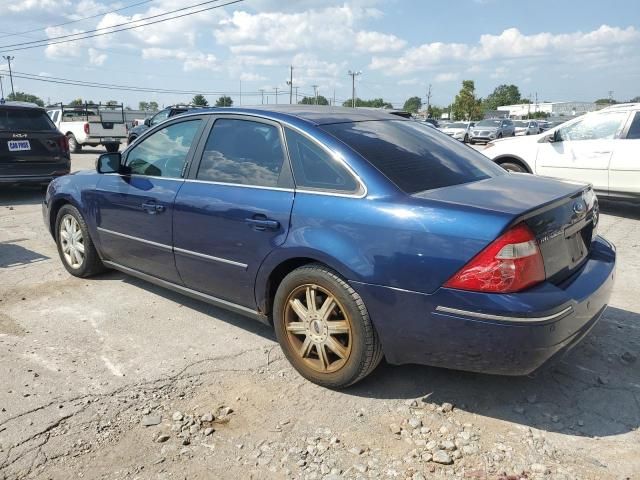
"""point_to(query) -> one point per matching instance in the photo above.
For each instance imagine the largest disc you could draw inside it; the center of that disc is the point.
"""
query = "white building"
(554, 109)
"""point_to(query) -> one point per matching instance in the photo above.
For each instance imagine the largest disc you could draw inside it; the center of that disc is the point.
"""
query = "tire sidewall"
(351, 371)
(73, 211)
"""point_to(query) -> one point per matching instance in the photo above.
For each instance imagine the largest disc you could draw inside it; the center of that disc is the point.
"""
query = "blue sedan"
(356, 234)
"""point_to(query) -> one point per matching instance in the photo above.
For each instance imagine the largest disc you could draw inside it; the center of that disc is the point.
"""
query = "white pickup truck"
(90, 125)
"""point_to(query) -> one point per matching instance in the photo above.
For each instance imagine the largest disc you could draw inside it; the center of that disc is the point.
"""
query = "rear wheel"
(466, 138)
(324, 328)
(76, 250)
(74, 146)
(513, 167)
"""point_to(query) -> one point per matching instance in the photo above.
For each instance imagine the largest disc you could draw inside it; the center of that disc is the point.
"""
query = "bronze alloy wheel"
(318, 328)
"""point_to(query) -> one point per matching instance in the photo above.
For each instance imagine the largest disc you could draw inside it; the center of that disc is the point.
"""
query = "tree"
(435, 112)
(112, 103)
(25, 97)
(503, 95)
(153, 106)
(373, 103)
(466, 106)
(224, 101)
(76, 103)
(605, 101)
(200, 101)
(413, 105)
(322, 100)
(143, 106)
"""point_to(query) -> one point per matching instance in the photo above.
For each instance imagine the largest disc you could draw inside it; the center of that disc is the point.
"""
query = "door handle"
(262, 223)
(152, 208)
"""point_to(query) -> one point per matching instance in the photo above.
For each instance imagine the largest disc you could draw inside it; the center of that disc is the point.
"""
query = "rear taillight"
(86, 128)
(64, 144)
(510, 263)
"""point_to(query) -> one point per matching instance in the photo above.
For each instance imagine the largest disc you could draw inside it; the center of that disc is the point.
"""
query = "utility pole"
(334, 97)
(240, 92)
(1, 88)
(535, 110)
(610, 91)
(353, 87)
(428, 99)
(262, 95)
(315, 92)
(8, 58)
(296, 94)
(276, 89)
(290, 83)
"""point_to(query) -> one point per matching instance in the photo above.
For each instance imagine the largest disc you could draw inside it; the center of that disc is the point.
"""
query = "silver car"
(526, 127)
(458, 130)
(487, 130)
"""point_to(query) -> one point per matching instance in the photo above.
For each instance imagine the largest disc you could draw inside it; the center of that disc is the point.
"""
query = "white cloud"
(446, 77)
(510, 44)
(26, 5)
(192, 60)
(252, 77)
(96, 57)
(376, 42)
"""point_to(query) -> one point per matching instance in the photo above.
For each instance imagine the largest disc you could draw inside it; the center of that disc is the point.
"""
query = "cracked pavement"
(83, 361)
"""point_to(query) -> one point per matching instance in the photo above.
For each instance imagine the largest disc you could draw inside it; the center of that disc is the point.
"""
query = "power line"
(48, 42)
(108, 86)
(75, 21)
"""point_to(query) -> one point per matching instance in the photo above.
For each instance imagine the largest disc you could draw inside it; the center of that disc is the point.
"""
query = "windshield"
(413, 156)
(457, 125)
(488, 123)
(521, 124)
(25, 120)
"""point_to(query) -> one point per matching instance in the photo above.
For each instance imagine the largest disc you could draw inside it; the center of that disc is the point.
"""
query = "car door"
(582, 150)
(624, 170)
(135, 208)
(234, 209)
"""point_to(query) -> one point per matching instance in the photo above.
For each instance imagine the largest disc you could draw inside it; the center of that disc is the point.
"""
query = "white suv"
(601, 148)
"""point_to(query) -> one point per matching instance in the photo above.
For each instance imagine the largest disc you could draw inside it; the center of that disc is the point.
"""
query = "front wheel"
(466, 138)
(324, 329)
(513, 167)
(75, 247)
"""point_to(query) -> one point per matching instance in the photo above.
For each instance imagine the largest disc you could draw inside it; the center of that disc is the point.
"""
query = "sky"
(565, 50)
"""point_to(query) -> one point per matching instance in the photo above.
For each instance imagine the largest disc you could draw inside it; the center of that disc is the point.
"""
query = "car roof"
(12, 104)
(621, 106)
(316, 114)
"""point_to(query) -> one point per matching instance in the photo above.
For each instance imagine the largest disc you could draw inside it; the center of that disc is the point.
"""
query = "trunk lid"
(563, 215)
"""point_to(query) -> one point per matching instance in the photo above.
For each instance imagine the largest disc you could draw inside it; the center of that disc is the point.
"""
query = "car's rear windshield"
(520, 123)
(456, 125)
(25, 120)
(413, 156)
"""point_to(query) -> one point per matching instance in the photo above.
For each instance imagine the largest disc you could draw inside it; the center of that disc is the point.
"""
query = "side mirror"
(147, 121)
(109, 163)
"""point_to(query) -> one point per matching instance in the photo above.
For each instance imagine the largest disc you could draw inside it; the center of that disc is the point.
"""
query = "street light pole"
(353, 87)
(8, 58)
(290, 82)
(262, 95)
(315, 93)
(276, 89)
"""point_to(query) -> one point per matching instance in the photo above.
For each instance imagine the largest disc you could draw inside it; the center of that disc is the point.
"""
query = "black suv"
(32, 149)
(161, 116)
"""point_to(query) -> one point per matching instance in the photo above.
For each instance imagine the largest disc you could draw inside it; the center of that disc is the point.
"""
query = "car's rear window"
(413, 156)
(25, 120)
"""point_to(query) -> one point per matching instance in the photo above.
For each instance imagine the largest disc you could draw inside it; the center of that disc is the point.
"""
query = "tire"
(513, 167)
(500, 135)
(466, 138)
(112, 147)
(70, 220)
(131, 139)
(472, 142)
(74, 146)
(353, 333)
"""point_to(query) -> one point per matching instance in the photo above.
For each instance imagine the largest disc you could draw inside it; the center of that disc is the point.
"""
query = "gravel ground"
(114, 378)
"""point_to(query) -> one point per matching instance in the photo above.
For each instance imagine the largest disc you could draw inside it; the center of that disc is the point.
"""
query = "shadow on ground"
(621, 209)
(593, 391)
(13, 195)
(13, 255)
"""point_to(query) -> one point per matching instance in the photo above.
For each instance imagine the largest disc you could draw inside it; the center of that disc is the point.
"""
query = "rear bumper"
(506, 334)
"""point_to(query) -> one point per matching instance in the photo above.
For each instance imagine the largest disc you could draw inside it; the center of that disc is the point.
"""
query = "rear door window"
(25, 120)
(634, 128)
(242, 152)
(413, 156)
(314, 168)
